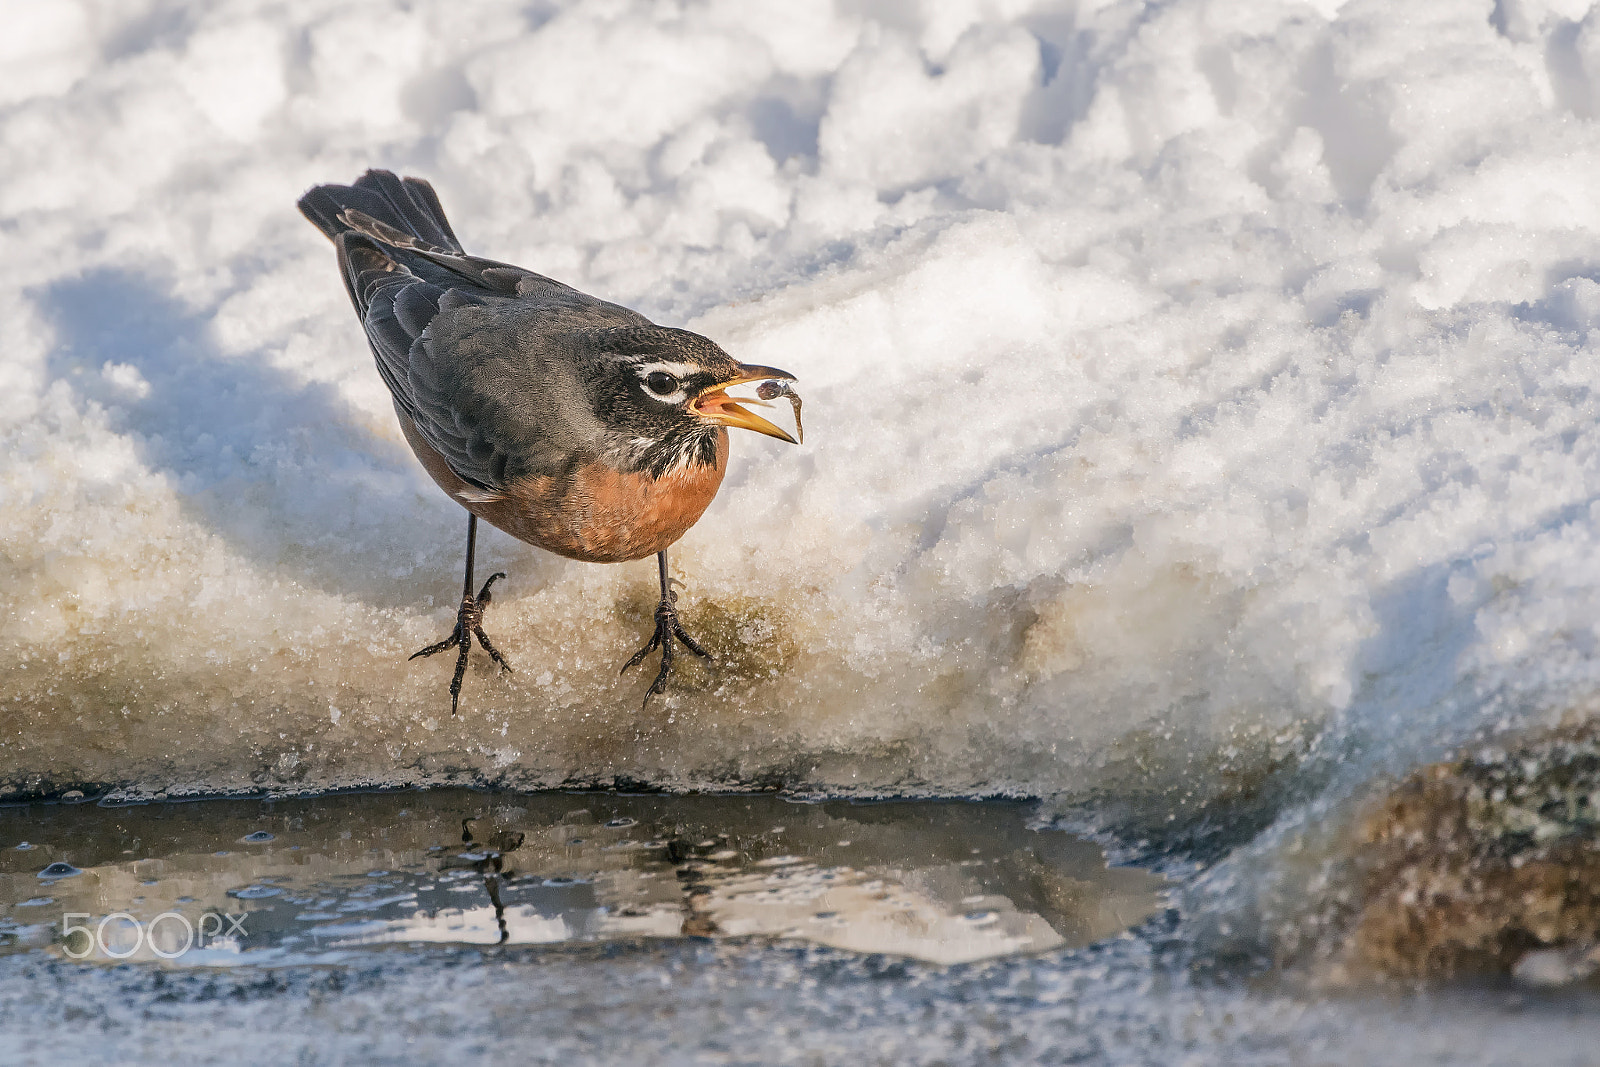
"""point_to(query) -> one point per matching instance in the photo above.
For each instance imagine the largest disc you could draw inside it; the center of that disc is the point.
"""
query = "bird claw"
(667, 629)
(469, 624)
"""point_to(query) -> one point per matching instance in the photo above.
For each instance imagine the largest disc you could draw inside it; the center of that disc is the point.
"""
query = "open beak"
(716, 405)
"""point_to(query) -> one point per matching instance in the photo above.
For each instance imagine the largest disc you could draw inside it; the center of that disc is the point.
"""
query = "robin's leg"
(469, 622)
(667, 629)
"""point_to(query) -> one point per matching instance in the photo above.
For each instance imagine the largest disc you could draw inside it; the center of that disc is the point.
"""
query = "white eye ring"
(671, 375)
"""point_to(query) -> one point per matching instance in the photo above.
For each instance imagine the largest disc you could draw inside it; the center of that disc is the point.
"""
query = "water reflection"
(485, 858)
(324, 877)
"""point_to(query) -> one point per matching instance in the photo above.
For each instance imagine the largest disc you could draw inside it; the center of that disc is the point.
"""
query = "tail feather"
(390, 231)
(366, 268)
(406, 206)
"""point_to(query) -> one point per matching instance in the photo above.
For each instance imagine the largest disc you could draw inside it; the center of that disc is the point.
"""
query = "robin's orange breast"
(598, 515)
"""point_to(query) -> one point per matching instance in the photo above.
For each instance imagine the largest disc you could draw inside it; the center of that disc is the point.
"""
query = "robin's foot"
(469, 624)
(667, 628)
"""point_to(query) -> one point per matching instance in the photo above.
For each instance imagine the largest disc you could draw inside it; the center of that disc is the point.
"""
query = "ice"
(1195, 389)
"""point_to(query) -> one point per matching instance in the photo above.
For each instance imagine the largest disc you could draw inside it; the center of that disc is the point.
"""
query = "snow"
(1184, 380)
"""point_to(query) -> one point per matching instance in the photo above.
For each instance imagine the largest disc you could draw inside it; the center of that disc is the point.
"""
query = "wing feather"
(406, 274)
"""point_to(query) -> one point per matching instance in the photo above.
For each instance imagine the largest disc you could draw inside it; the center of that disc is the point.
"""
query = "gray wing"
(457, 339)
(480, 375)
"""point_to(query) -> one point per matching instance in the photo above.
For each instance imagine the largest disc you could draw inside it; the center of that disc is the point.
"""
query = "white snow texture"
(1186, 382)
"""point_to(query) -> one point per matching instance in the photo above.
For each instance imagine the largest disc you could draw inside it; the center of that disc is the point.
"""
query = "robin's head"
(662, 395)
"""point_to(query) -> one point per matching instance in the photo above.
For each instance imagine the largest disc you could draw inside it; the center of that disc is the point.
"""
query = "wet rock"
(1486, 865)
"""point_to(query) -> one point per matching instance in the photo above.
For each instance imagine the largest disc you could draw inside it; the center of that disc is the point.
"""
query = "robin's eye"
(661, 383)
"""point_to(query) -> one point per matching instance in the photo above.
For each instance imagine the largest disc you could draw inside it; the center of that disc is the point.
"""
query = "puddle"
(232, 882)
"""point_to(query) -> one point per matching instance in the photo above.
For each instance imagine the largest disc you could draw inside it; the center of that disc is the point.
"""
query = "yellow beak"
(715, 404)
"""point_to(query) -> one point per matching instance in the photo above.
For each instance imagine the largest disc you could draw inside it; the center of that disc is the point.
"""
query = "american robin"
(568, 422)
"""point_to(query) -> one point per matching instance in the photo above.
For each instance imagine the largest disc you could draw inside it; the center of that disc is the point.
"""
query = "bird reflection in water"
(973, 883)
(696, 877)
(487, 858)
(485, 849)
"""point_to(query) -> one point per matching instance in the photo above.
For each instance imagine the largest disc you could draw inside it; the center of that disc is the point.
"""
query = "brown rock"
(1468, 867)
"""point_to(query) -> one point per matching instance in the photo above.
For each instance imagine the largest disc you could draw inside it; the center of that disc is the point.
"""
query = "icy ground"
(1201, 397)
(685, 1004)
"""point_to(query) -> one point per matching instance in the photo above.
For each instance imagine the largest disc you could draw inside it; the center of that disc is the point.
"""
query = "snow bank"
(1191, 385)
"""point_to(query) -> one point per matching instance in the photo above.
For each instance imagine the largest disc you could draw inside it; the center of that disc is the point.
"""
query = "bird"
(569, 422)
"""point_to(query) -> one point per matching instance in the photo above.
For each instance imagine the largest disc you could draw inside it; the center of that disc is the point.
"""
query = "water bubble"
(258, 837)
(981, 918)
(36, 902)
(59, 869)
(621, 821)
(25, 847)
(255, 892)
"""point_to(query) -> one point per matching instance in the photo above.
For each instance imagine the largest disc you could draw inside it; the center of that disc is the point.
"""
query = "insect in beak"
(716, 405)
